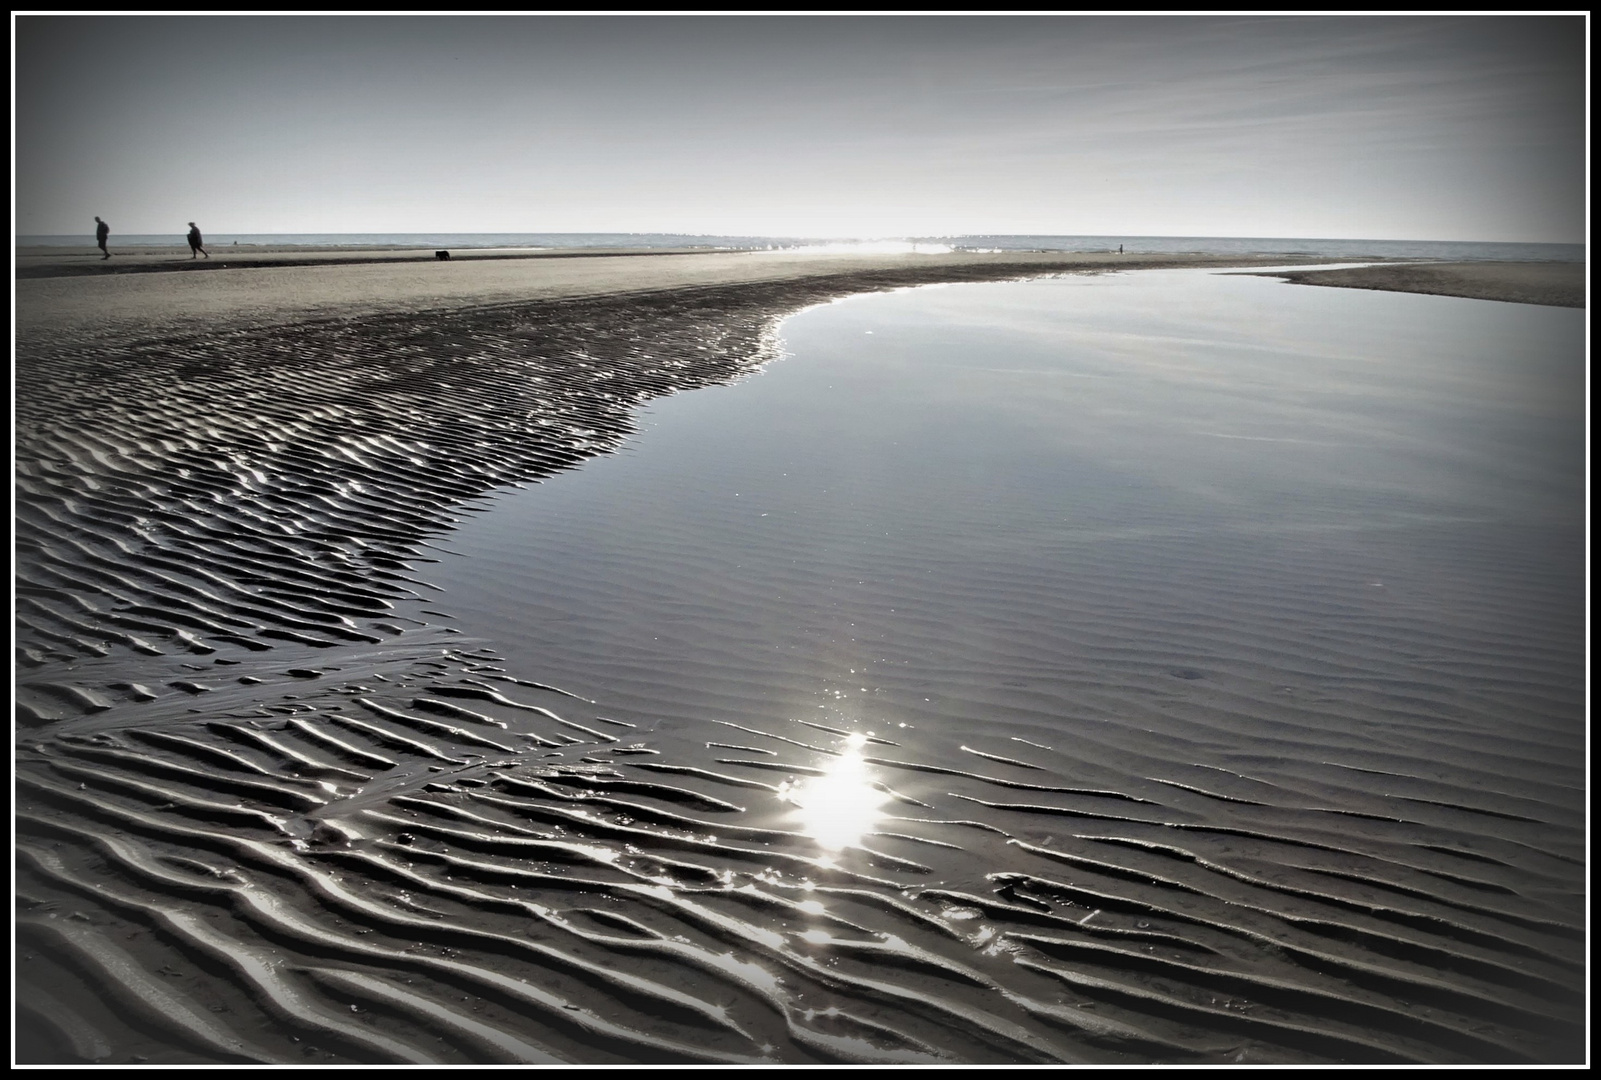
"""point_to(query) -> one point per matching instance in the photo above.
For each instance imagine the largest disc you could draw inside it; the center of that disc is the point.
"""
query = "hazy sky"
(1391, 128)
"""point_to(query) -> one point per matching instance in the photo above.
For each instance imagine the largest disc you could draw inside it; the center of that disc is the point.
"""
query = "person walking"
(194, 242)
(102, 234)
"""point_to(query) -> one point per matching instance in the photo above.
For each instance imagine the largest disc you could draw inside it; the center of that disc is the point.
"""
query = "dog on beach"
(441, 255)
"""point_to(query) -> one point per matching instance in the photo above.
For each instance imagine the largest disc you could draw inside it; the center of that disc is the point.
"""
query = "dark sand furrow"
(579, 821)
(1392, 933)
(258, 970)
(75, 1038)
(168, 798)
(631, 861)
(275, 915)
(354, 754)
(779, 738)
(1062, 811)
(1013, 900)
(628, 984)
(1382, 976)
(304, 612)
(772, 766)
(432, 727)
(988, 1027)
(1503, 815)
(297, 761)
(1449, 925)
(502, 838)
(132, 641)
(640, 993)
(665, 817)
(1279, 821)
(280, 796)
(447, 709)
(999, 758)
(491, 1044)
(1313, 845)
(133, 991)
(81, 644)
(265, 560)
(393, 739)
(723, 967)
(1280, 994)
(1334, 1046)
(704, 774)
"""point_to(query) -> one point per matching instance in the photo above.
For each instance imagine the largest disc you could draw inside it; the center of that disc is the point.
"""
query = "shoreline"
(71, 297)
(238, 704)
(1547, 284)
(194, 297)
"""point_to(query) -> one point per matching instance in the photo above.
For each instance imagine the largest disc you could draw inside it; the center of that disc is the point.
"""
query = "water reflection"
(838, 807)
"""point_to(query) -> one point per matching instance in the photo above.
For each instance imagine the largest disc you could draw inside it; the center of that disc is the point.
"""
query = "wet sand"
(1549, 283)
(271, 808)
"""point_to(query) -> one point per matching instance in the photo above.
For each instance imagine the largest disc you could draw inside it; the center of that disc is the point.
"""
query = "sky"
(1432, 128)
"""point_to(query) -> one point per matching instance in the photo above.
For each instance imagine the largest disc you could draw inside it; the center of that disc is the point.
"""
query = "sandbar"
(1555, 284)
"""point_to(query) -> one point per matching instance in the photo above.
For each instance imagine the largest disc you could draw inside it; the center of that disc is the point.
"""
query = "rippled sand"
(271, 808)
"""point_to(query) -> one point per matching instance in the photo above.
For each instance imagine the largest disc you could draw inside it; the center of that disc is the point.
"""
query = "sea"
(1211, 245)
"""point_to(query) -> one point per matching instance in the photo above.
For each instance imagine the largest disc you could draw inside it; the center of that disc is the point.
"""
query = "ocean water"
(1334, 249)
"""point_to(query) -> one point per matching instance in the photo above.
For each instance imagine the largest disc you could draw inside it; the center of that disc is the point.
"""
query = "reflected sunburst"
(838, 807)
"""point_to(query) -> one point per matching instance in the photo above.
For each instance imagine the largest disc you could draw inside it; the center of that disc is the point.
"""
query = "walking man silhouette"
(194, 242)
(102, 233)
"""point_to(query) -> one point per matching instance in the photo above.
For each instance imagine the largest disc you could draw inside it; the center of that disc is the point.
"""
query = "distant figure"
(102, 234)
(1120, 249)
(194, 242)
(441, 255)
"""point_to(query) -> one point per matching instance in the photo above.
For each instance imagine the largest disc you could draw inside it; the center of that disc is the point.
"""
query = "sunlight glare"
(835, 809)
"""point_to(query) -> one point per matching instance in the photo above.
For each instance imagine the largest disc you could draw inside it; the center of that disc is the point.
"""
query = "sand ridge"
(272, 809)
(1551, 283)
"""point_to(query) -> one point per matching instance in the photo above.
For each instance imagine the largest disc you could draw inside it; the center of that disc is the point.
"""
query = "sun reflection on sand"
(836, 808)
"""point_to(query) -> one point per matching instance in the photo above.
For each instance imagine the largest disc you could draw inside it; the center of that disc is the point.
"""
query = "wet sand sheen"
(335, 831)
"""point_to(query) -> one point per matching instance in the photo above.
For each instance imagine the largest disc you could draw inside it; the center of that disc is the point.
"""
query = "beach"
(273, 805)
(1552, 283)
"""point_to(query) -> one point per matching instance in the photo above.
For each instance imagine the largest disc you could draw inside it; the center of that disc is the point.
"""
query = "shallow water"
(1012, 509)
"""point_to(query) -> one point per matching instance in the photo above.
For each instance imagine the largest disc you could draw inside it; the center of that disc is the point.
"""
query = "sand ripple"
(270, 809)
